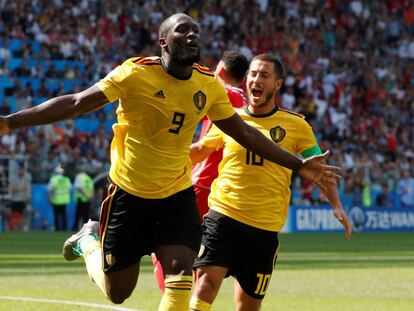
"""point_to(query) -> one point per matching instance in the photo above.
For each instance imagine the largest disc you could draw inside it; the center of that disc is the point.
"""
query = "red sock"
(158, 273)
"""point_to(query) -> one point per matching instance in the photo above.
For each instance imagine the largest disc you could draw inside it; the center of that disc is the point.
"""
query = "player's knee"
(205, 286)
(179, 267)
(118, 296)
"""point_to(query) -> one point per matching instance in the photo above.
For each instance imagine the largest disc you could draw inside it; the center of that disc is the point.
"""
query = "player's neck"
(265, 109)
(176, 70)
(224, 78)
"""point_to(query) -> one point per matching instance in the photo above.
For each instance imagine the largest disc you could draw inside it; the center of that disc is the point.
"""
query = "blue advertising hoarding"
(320, 219)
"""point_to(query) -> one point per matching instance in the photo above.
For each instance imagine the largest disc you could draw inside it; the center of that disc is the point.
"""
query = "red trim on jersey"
(105, 208)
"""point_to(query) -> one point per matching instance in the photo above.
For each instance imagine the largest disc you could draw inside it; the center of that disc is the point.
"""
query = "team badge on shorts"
(200, 100)
(110, 259)
(277, 133)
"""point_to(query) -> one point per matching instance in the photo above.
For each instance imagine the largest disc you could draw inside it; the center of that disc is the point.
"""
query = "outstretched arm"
(252, 139)
(330, 191)
(55, 109)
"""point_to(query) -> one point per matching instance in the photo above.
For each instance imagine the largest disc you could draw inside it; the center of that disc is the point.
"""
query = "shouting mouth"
(257, 93)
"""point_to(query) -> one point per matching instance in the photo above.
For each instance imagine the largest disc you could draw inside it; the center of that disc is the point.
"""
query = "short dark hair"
(168, 23)
(235, 64)
(279, 68)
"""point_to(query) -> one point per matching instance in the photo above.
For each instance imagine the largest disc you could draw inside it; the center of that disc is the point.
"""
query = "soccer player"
(250, 197)
(231, 71)
(150, 204)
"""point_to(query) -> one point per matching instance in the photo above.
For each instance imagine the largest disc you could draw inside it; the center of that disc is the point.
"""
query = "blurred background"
(350, 71)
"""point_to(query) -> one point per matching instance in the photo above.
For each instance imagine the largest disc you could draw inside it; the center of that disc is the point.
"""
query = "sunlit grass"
(314, 272)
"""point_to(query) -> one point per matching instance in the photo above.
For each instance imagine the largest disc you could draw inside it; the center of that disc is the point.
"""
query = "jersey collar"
(273, 111)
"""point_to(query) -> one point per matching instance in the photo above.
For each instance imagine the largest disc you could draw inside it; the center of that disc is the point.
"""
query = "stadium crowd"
(349, 70)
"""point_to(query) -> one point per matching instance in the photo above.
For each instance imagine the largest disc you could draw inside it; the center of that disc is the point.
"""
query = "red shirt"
(206, 171)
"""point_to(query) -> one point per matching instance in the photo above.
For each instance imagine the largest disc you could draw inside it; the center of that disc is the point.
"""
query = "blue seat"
(35, 83)
(39, 100)
(70, 84)
(77, 63)
(108, 125)
(5, 82)
(31, 63)
(14, 63)
(60, 65)
(15, 45)
(12, 103)
(86, 125)
(35, 47)
(45, 64)
(52, 84)
(24, 81)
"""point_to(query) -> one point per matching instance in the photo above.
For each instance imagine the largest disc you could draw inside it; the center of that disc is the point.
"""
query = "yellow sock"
(197, 304)
(92, 254)
(177, 294)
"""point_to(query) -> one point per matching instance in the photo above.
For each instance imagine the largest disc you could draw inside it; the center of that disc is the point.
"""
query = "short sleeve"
(117, 83)
(213, 139)
(306, 141)
(221, 108)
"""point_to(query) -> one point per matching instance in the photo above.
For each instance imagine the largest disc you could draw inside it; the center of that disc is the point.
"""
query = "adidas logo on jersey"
(159, 94)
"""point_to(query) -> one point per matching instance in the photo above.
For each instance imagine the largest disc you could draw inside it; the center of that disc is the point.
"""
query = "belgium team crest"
(200, 100)
(277, 133)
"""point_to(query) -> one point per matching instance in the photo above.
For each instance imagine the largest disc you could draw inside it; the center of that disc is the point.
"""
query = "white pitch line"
(68, 302)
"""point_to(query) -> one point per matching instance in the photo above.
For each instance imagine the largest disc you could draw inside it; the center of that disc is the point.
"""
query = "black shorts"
(131, 227)
(249, 253)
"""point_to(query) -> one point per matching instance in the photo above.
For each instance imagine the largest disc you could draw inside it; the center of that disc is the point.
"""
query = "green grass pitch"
(371, 272)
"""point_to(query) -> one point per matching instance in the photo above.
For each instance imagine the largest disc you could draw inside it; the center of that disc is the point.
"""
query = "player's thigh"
(178, 233)
(243, 301)
(127, 224)
(120, 284)
(257, 256)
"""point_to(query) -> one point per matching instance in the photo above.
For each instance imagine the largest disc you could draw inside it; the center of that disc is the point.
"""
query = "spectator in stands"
(5, 51)
(51, 72)
(354, 60)
(69, 72)
(4, 68)
(384, 198)
(5, 107)
(43, 90)
(405, 189)
(90, 163)
(59, 188)
(20, 196)
(23, 70)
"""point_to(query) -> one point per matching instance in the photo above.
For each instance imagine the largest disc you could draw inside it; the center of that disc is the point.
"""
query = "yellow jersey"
(250, 189)
(156, 119)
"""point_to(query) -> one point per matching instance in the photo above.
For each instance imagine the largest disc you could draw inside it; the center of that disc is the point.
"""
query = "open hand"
(315, 169)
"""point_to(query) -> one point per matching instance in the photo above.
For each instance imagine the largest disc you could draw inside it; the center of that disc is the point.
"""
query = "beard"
(181, 55)
(268, 96)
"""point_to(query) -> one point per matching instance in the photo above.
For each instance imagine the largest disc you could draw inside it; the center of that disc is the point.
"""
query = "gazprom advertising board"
(320, 219)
